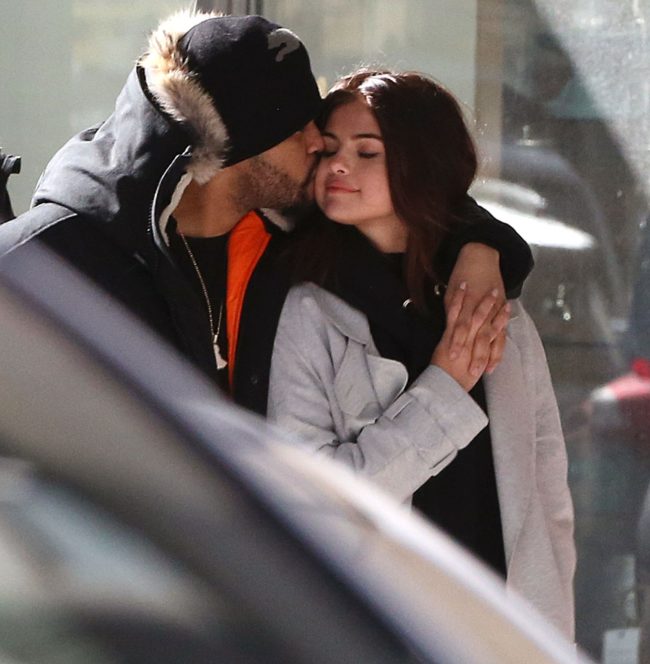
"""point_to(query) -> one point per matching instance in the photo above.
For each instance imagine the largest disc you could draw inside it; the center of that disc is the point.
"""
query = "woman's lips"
(340, 188)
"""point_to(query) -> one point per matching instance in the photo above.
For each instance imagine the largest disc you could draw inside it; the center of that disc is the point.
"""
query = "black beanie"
(259, 77)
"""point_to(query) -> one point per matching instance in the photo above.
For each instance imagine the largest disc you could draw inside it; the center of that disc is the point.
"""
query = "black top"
(462, 499)
(211, 256)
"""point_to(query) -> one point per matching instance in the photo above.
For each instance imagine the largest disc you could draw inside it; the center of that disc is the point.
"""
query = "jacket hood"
(130, 169)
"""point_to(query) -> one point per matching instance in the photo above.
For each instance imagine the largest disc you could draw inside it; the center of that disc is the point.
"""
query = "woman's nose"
(338, 164)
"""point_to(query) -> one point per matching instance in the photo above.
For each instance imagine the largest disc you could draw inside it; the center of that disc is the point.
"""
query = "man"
(161, 205)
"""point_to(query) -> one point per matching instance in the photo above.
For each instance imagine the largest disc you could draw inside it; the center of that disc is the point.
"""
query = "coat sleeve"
(552, 471)
(478, 225)
(414, 438)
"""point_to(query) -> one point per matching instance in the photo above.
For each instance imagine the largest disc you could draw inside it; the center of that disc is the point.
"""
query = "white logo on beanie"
(286, 39)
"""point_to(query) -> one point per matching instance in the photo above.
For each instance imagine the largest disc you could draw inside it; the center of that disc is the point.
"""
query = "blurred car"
(144, 518)
(620, 410)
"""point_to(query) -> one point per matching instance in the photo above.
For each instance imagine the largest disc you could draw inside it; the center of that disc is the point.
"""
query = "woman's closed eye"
(326, 154)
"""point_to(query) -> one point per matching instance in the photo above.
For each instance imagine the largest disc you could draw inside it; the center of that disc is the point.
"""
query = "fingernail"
(476, 371)
(508, 307)
(453, 354)
(495, 292)
(463, 285)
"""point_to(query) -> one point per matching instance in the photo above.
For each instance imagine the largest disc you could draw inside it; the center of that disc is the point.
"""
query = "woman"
(362, 367)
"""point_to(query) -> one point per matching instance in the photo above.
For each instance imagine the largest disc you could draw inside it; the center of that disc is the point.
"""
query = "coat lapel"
(366, 383)
(512, 431)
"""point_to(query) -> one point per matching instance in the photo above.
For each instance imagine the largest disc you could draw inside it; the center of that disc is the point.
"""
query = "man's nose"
(313, 139)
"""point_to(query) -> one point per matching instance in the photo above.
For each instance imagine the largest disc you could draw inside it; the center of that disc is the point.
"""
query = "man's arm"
(477, 225)
(490, 259)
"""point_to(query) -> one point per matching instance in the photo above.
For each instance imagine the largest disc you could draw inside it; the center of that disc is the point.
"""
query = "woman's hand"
(478, 267)
(467, 364)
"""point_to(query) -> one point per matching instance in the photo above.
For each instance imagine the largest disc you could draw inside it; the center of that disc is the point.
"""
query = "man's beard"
(264, 185)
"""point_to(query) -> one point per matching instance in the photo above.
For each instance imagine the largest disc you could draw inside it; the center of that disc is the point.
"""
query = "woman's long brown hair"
(431, 162)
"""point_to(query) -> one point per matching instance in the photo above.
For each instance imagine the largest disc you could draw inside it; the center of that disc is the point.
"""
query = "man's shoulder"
(32, 224)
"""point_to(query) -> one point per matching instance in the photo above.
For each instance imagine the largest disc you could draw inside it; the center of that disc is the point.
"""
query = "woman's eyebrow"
(369, 135)
(329, 134)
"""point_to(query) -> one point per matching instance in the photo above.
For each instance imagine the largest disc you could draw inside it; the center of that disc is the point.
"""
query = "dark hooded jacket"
(105, 200)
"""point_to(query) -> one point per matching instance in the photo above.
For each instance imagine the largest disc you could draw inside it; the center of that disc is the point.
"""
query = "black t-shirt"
(462, 499)
(211, 256)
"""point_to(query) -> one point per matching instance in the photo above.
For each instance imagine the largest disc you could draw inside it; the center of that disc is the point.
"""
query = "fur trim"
(182, 97)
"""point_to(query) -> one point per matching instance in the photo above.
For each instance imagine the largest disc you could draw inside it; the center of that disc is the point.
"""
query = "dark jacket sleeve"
(478, 225)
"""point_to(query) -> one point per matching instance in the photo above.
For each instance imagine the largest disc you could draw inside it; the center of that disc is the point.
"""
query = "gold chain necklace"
(221, 362)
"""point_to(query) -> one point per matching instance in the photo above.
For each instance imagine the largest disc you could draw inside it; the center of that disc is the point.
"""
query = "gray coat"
(330, 386)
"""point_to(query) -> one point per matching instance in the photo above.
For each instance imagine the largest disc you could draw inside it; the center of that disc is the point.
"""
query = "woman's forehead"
(353, 119)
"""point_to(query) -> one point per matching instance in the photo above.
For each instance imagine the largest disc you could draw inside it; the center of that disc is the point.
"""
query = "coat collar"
(351, 322)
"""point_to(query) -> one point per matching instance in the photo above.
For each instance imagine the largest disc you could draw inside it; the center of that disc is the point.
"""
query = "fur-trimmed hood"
(178, 93)
(129, 171)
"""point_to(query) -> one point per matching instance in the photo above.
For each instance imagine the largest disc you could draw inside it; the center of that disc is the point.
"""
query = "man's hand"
(481, 321)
